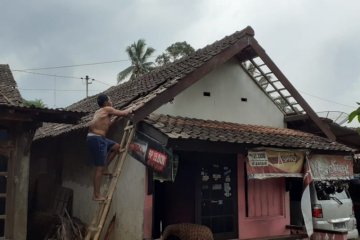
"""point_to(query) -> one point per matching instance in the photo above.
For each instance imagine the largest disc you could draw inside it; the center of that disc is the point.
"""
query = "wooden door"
(217, 195)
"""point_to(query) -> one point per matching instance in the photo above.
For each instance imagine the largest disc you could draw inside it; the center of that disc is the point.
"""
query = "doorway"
(204, 192)
(217, 195)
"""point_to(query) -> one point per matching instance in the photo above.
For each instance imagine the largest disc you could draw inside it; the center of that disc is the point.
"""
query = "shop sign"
(153, 155)
(331, 167)
(268, 163)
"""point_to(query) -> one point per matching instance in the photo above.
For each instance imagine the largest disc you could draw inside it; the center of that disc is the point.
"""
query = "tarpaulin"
(331, 167)
(269, 163)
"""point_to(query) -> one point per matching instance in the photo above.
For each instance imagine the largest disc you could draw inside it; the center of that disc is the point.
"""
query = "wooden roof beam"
(292, 90)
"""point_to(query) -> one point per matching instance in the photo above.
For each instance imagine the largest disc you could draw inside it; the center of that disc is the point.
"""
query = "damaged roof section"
(150, 91)
(182, 128)
(159, 86)
(346, 135)
(12, 106)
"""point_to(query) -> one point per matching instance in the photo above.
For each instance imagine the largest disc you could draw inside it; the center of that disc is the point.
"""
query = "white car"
(332, 207)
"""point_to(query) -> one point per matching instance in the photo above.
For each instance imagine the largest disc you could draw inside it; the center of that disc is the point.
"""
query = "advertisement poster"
(269, 163)
(331, 167)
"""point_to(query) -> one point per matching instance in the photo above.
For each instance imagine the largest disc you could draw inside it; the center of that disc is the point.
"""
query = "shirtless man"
(102, 150)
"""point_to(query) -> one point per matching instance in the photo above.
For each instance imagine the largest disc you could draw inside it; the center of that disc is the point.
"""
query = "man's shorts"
(98, 149)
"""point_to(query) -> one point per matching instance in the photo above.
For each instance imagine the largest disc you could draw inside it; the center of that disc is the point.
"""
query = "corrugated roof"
(215, 131)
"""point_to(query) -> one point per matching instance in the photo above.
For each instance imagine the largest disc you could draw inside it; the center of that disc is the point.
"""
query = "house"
(17, 128)
(200, 117)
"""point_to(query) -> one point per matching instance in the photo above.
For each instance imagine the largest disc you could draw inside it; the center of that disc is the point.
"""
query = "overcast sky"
(316, 43)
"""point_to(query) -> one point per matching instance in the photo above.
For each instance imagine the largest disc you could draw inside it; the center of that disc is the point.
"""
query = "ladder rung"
(93, 229)
(2, 216)
(128, 127)
(122, 150)
(103, 201)
(2, 195)
(3, 174)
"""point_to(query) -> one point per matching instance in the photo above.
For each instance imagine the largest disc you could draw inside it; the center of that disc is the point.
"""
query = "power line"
(77, 65)
(103, 82)
(74, 65)
(45, 74)
(98, 63)
(59, 76)
(52, 89)
(327, 100)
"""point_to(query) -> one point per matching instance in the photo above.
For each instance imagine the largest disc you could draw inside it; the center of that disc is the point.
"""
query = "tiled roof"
(215, 131)
(9, 94)
(147, 87)
(10, 99)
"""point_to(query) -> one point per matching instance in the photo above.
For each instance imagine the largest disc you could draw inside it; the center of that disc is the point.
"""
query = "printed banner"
(331, 167)
(154, 155)
(270, 163)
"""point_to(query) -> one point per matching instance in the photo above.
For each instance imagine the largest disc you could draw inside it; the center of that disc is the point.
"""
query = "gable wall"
(227, 85)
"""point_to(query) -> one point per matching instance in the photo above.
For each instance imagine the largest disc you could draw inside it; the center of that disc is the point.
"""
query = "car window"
(326, 190)
(340, 195)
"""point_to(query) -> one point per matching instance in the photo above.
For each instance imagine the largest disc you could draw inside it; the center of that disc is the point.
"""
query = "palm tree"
(139, 55)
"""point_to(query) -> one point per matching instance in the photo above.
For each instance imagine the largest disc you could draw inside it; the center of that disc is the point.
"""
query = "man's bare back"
(100, 122)
(102, 119)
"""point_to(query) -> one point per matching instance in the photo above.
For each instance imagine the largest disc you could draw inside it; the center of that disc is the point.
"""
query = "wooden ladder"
(97, 224)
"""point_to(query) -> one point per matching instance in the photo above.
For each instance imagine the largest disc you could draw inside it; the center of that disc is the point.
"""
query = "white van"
(332, 207)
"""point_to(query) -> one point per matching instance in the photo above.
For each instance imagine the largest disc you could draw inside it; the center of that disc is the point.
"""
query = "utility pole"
(87, 84)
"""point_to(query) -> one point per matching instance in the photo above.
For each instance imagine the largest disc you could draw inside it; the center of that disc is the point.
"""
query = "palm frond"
(124, 73)
(140, 48)
(147, 53)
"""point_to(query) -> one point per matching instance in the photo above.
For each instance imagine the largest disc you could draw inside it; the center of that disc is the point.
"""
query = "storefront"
(239, 191)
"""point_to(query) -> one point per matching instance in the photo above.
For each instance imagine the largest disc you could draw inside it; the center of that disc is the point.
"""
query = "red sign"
(156, 160)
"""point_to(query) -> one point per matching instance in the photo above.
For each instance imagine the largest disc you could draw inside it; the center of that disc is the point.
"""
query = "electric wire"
(60, 90)
(28, 70)
(77, 65)
(327, 100)
(59, 76)
(45, 74)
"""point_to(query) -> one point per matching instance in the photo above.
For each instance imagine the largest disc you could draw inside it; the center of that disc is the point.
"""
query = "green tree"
(38, 103)
(354, 114)
(174, 52)
(139, 55)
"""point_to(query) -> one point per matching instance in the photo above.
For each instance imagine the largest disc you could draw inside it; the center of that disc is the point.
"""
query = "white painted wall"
(227, 85)
(128, 199)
